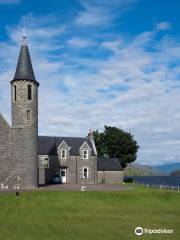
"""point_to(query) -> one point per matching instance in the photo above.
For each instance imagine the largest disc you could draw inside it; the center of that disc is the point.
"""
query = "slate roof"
(48, 145)
(108, 164)
(24, 69)
(3, 121)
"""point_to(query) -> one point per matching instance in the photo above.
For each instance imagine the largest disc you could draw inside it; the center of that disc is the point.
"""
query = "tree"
(116, 143)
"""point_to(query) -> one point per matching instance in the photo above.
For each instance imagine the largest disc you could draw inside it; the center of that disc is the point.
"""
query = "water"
(163, 181)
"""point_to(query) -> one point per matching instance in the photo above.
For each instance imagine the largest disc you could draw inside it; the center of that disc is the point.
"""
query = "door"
(63, 175)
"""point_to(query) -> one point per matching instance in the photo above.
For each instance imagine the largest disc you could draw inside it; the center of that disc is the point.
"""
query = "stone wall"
(45, 174)
(24, 157)
(110, 176)
(21, 105)
(74, 168)
(25, 133)
(91, 164)
(5, 151)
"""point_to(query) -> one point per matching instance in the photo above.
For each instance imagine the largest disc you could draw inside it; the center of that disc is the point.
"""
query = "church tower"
(24, 100)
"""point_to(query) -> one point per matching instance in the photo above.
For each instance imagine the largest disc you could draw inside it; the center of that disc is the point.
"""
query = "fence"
(160, 186)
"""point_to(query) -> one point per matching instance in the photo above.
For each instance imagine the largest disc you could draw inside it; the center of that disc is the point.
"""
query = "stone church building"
(27, 159)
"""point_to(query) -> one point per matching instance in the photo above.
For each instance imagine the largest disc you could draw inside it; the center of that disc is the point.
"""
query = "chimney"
(90, 134)
(91, 139)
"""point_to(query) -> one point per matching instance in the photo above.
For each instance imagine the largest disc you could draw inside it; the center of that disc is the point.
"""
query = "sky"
(100, 62)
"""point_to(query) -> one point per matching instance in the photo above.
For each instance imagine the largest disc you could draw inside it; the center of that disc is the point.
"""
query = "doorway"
(63, 175)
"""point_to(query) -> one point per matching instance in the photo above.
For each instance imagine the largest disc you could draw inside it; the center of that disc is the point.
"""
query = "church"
(28, 160)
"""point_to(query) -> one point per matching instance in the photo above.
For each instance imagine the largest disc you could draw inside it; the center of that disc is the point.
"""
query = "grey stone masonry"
(5, 151)
(74, 155)
(19, 143)
(110, 177)
(21, 104)
(25, 132)
(74, 167)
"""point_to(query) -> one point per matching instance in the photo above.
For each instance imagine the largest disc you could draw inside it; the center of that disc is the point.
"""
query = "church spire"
(24, 69)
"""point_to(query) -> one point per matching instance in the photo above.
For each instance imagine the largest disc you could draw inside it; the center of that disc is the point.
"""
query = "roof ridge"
(59, 136)
(4, 119)
(49, 144)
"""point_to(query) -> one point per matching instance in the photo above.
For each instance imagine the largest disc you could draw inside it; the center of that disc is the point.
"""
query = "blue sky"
(100, 62)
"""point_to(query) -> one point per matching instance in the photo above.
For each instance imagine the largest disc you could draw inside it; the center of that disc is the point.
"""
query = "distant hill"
(136, 169)
(168, 168)
(175, 173)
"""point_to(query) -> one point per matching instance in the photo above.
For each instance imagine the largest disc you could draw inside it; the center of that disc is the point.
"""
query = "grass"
(89, 215)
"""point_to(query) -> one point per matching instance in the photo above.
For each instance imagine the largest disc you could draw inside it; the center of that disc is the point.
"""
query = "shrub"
(128, 180)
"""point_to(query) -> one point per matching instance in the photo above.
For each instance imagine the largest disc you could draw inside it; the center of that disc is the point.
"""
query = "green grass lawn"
(89, 215)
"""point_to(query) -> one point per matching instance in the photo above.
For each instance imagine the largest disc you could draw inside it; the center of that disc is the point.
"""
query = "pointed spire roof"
(24, 69)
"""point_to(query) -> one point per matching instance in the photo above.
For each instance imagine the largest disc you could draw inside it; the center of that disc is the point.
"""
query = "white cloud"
(113, 45)
(79, 42)
(45, 65)
(132, 87)
(98, 13)
(10, 1)
(163, 26)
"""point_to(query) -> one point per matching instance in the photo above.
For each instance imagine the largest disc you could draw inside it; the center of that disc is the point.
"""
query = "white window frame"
(44, 159)
(65, 153)
(84, 172)
(87, 155)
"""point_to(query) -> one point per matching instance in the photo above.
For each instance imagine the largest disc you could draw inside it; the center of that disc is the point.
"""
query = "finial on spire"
(24, 36)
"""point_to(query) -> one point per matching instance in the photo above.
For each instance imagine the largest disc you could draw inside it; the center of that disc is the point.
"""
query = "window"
(63, 173)
(85, 172)
(63, 153)
(43, 162)
(14, 93)
(85, 154)
(29, 92)
(28, 115)
(46, 162)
